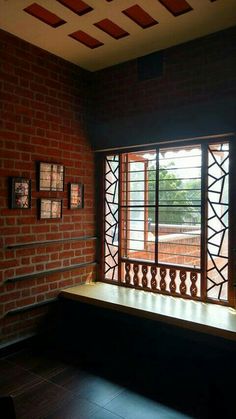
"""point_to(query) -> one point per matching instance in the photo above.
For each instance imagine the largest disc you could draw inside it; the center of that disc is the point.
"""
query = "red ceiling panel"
(77, 6)
(44, 15)
(176, 7)
(86, 39)
(111, 28)
(139, 16)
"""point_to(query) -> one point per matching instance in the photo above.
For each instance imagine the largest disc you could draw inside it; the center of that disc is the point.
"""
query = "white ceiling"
(205, 18)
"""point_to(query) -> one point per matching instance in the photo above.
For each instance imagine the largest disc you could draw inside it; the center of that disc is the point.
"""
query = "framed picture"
(20, 193)
(76, 195)
(50, 208)
(50, 177)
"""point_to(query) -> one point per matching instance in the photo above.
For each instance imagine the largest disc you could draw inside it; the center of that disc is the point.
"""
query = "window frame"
(232, 206)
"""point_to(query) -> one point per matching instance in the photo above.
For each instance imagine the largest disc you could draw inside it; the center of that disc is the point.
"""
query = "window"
(166, 220)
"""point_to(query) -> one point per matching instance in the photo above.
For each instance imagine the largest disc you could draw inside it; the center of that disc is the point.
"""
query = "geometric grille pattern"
(217, 222)
(111, 216)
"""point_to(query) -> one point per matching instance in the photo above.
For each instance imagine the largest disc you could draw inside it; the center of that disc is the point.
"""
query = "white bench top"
(194, 315)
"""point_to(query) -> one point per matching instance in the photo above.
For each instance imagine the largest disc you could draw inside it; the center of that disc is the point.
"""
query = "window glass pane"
(138, 205)
(138, 235)
(179, 206)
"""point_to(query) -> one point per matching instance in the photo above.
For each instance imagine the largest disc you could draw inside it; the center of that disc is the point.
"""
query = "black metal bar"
(167, 142)
(48, 272)
(137, 206)
(30, 307)
(157, 204)
(46, 242)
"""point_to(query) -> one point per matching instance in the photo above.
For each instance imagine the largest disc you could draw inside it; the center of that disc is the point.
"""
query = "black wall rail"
(23, 309)
(46, 242)
(48, 272)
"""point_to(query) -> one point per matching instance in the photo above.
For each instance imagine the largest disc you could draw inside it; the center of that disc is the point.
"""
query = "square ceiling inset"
(139, 16)
(77, 6)
(44, 15)
(178, 7)
(86, 39)
(111, 28)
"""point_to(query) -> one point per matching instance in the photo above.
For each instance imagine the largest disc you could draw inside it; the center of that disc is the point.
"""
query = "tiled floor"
(45, 387)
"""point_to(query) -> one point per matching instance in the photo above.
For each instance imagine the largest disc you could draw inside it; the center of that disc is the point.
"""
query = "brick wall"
(43, 118)
(195, 95)
(44, 106)
(200, 70)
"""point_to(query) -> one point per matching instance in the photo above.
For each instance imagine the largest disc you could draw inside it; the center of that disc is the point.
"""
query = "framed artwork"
(20, 193)
(50, 177)
(76, 195)
(50, 208)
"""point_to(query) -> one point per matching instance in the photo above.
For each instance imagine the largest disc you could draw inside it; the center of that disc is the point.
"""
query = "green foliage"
(174, 192)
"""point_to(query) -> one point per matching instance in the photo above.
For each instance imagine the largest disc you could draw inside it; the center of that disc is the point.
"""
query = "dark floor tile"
(99, 390)
(91, 387)
(104, 414)
(156, 380)
(44, 365)
(130, 405)
(41, 400)
(112, 371)
(71, 378)
(15, 380)
(76, 408)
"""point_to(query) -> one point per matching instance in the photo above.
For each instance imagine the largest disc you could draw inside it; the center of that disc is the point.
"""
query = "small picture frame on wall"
(20, 193)
(76, 195)
(50, 177)
(50, 208)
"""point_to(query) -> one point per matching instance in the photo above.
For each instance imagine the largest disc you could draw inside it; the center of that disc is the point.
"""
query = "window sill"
(194, 315)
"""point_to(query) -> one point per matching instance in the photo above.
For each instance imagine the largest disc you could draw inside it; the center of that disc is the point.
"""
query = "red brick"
(53, 265)
(25, 261)
(9, 306)
(53, 286)
(14, 155)
(39, 267)
(40, 298)
(26, 284)
(11, 296)
(40, 228)
(66, 283)
(52, 294)
(67, 254)
(26, 238)
(25, 301)
(7, 231)
(24, 270)
(25, 252)
(39, 289)
(25, 293)
(54, 256)
(6, 264)
(42, 258)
